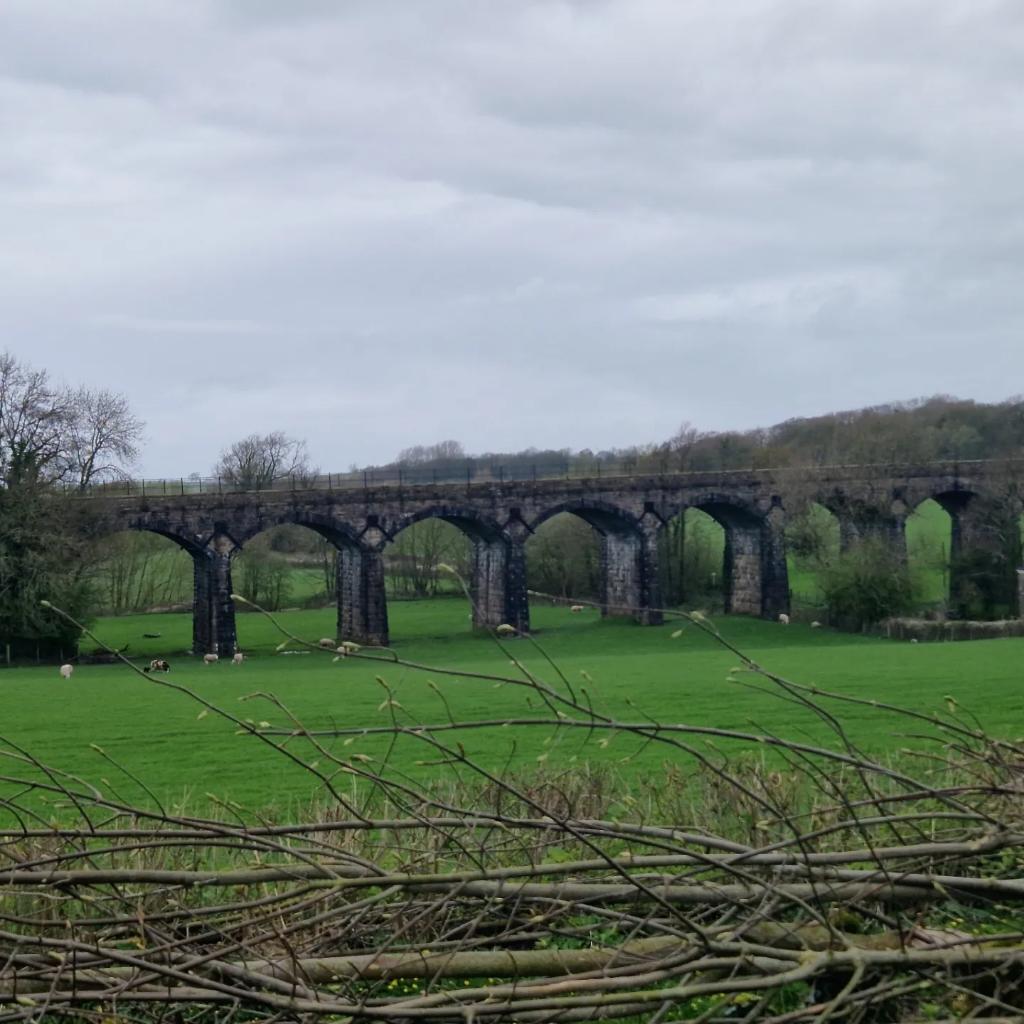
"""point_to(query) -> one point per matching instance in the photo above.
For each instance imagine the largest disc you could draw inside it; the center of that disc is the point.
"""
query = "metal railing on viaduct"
(361, 517)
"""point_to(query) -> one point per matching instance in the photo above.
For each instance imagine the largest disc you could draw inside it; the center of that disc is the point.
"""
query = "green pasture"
(632, 672)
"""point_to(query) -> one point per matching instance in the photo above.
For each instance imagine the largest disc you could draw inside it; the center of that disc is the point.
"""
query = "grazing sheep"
(815, 624)
(577, 608)
(237, 658)
(326, 643)
(158, 665)
(913, 639)
(210, 659)
(784, 618)
(66, 670)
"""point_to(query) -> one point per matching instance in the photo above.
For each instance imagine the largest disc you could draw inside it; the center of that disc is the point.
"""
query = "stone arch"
(742, 569)
(984, 550)
(754, 577)
(339, 532)
(727, 510)
(603, 516)
(497, 582)
(475, 525)
(139, 567)
(862, 517)
(210, 546)
(186, 544)
(629, 556)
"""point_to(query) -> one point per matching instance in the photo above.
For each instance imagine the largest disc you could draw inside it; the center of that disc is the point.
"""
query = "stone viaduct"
(629, 513)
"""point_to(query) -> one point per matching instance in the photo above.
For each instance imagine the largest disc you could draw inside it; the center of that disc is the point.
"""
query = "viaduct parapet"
(629, 513)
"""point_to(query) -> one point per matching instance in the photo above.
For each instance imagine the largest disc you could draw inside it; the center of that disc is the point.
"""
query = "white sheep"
(210, 659)
(577, 608)
(66, 670)
(784, 618)
(815, 624)
(237, 658)
(326, 643)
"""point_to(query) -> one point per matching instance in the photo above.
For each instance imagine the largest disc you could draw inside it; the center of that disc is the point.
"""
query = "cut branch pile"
(804, 883)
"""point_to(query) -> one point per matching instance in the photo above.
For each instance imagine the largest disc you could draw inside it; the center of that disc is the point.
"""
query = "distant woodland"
(921, 430)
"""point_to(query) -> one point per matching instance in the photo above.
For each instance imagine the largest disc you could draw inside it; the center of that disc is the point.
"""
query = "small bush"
(865, 585)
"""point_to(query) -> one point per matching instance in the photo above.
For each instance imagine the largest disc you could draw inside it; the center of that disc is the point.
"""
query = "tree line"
(933, 429)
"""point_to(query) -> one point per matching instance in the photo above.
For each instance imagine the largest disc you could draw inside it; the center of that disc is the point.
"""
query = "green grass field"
(154, 732)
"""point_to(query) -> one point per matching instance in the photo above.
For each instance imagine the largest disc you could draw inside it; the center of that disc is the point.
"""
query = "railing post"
(220, 487)
(183, 487)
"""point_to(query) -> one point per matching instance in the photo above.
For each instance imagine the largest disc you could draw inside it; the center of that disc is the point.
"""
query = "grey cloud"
(544, 223)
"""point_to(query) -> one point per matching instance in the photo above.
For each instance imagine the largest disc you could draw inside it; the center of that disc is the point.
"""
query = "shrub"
(866, 584)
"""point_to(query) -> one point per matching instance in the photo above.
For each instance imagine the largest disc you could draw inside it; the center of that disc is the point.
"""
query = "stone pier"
(362, 603)
(498, 584)
(213, 611)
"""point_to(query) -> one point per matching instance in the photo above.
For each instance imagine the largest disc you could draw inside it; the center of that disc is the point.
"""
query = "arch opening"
(409, 566)
(985, 552)
(413, 559)
(692, 561)
(813, 545)
(593, 551)
(743, 574)
(563, 557)
(929, 532)
(139, 571)
(288, 565)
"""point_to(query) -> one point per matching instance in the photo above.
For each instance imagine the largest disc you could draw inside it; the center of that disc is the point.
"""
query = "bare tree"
(432, 452)
(102, 436)
(52, 434)
(33, 423)
(260, 460)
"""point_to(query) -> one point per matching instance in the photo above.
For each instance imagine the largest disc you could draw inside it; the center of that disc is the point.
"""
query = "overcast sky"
(553, 224)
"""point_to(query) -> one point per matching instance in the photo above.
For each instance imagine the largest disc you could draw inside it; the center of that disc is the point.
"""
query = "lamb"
(237, 658)
(157, 665)
(784, 618)
(210, 659)
(66, 670)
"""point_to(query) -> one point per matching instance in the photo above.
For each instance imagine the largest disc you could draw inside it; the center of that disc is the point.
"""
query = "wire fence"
(482, 472)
